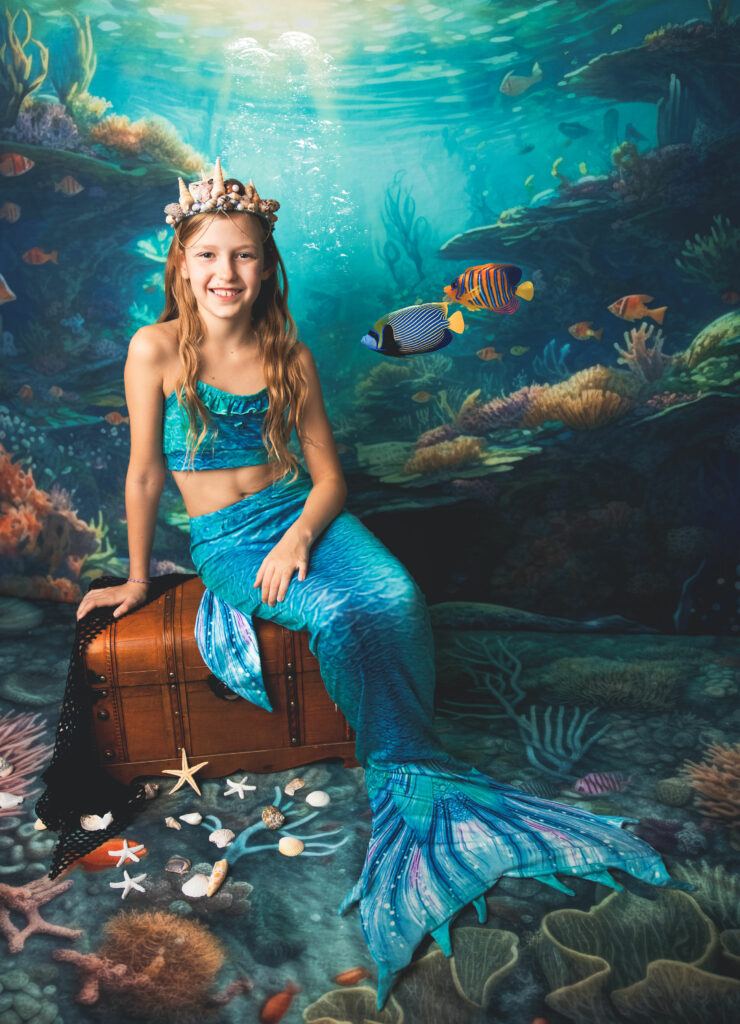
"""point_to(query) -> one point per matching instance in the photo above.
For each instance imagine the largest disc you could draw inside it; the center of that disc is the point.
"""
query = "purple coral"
(447, 432)
(480, 420)
(46, 124)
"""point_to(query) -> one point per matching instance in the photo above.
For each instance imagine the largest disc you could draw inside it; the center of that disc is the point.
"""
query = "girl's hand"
(279, 564)
(127, 596)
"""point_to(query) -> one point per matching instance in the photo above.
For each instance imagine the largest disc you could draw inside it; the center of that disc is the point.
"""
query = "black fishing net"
(76, 783)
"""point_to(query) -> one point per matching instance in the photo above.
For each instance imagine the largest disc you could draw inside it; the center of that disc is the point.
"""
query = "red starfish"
(26, 900)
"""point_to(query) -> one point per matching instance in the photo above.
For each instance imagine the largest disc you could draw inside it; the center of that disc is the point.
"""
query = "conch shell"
(218, 188)
(186, 199)
(217, 876)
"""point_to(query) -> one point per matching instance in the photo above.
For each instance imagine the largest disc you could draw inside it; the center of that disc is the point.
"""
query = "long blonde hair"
(278, 345)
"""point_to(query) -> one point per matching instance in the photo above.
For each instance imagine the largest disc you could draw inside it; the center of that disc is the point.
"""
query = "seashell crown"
(217, 194)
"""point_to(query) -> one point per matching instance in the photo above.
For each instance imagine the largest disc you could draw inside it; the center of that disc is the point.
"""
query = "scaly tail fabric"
(443, 833)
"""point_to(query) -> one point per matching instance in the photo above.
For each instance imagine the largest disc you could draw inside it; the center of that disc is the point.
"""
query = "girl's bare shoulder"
(154, 343)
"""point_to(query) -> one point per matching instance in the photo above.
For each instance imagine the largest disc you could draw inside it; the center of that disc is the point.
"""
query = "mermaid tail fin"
(228, 645)
(444, 833)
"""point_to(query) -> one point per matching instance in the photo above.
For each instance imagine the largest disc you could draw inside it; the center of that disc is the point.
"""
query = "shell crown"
(216, 194)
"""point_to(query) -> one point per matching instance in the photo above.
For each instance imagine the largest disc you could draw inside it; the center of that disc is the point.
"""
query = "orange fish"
(68, 186)
(730, 296)
(352, 976)
(6, 292)
(278, 1005)
(55, 391)
(37, 255)
(12, 164)
(102, 856)
(10, 212)
(25, 392)
(582, 330)
(488, 353)
(115, 418)
(632, 307)
(421, 396)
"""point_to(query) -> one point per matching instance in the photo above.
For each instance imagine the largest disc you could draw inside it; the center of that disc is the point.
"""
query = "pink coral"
(21, 745)
(648, 363)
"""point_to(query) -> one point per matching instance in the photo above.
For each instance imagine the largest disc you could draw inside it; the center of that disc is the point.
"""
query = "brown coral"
(717, 781)
(457, 452)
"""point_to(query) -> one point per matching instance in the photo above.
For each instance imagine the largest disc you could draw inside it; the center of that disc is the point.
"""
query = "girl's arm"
(146, 472)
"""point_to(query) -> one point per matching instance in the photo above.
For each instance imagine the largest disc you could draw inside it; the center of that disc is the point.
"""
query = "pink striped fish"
(596, 783)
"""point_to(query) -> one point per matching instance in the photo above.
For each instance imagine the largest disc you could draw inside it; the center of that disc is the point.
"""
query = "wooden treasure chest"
(153, 695)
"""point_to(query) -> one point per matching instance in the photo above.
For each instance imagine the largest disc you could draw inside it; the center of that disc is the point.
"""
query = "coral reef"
(713, 259)
(21, 744)
(41, 123)
(25, 901)
(585, 409)
(717, 782)
(645, 961)
(16, 75)
(153, 136)
(674, 791)
(648, 364)
(719, 338)
(608, 683)
(445, 454)
(717, 891)
(154, 965)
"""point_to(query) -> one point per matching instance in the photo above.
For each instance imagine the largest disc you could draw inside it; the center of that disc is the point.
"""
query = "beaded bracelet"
(130, 580)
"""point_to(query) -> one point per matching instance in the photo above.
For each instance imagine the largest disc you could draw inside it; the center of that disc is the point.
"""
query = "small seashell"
(217, 876)
(94, 823)
(173, 209)
(172, 823)
(151, 789)
(192, 818)
(195, 886)
(318, 798)
(293, 785)
(6, 768)
(9, 800)
(178, 864)
(39, 825)
(272, 817)
(221, 837)
(290, 846)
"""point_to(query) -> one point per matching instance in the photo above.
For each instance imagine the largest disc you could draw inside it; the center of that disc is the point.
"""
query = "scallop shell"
(172, 823)
(290, 846)
(6, 768)
(178, 864)
(195, 886)
(10, 800)
(318, 798)
(94, 823)
(217, 876)
(293, 785)
(272, 817)
(192, 818)
(221, 837)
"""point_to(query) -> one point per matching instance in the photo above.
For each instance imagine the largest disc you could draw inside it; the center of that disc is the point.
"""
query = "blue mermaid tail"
(443, 833)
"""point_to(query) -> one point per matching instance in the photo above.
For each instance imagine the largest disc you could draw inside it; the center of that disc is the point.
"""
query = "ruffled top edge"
(219, 401)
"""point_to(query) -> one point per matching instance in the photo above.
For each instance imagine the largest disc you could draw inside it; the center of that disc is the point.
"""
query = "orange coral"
(154, 136)
(118, 132)
(583, 411)
(445, 454)
(717, 781)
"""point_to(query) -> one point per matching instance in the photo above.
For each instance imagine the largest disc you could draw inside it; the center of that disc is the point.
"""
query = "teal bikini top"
(237, 440)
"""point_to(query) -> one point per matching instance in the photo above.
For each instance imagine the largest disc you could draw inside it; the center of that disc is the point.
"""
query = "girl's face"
(224, 263)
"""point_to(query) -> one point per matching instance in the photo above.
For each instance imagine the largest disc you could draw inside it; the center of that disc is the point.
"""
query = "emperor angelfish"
(493, 286)
(414, 330)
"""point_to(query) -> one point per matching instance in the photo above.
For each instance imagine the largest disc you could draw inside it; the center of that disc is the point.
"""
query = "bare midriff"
(207, 490)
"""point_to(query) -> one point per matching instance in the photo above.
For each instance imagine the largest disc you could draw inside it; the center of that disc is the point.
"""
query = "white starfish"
(128, 884)
(238, 787)
(126, 853)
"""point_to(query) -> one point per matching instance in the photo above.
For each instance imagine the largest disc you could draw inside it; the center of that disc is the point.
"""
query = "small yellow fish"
(519, 350)
(615, 29)
(529, 182)
(582, 167)
(421, 396)
(556, 173)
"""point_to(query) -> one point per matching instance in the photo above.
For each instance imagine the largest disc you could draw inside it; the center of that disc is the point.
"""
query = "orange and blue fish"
(492, 286)
(413, 330)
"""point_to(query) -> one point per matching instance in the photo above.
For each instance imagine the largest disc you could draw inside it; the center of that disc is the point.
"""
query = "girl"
(270, 540)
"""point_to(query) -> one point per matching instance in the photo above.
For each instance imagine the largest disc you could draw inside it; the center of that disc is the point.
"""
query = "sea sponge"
(674, 791)
(605, 683)
(458, 452)
(717, 782)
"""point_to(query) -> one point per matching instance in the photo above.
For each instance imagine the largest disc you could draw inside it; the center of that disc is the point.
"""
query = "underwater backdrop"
(560, 470)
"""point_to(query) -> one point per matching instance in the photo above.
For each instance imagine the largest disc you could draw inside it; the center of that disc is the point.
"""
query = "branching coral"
(16, 75)
(717, 781)
(457, 452)
(154, 136)
(26, 900)
(648, 364)
(21, 744)
(713, 260)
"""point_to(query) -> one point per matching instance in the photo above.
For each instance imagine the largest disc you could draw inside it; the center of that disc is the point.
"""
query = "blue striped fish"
(414, 330)
(493, 286)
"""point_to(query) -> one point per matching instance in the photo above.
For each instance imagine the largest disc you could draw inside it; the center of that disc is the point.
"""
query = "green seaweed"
(16, 75)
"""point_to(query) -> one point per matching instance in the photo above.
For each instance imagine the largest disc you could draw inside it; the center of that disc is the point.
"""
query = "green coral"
(724, 333)
(717, 372)
(102, 561)
(605, 683)
(713, 259)
(16, 76)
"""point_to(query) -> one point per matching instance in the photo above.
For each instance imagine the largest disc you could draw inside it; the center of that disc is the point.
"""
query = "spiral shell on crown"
(219, 194)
